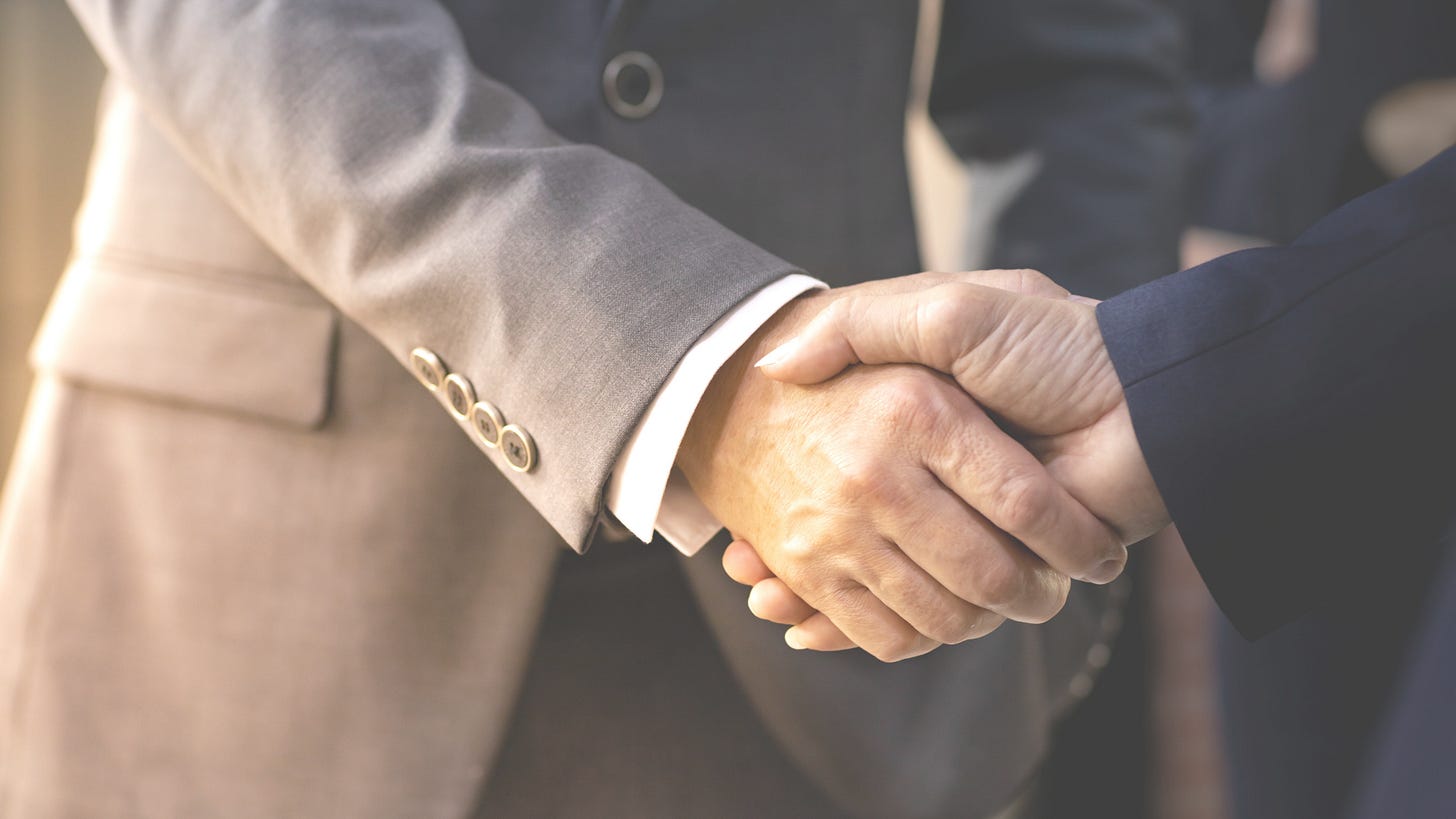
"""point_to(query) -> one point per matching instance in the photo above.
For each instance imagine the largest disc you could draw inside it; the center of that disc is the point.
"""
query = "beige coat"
(241, 543)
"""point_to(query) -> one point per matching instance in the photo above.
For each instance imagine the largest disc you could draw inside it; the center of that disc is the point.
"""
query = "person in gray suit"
(374, 304)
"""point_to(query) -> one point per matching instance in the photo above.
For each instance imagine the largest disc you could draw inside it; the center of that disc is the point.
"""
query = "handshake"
(980, 460)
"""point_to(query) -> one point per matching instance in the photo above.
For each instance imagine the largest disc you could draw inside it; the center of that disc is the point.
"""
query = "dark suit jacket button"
(632, 84)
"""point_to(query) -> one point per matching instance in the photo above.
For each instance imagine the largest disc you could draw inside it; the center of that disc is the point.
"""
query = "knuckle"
(800, 564)
(1033, 281)
(945, 307)
(799, 551)
(910, 399)
(956, 625)
(901, 645)
(1001, 584)
(870, 481)
(844, 597)
(836, 312)
(1024, 503)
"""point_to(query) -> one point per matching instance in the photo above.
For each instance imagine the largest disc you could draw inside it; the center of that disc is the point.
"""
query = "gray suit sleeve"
(434, 207)
(1086, 101)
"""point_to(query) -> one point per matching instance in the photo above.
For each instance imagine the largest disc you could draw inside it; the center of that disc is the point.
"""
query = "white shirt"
(646, 493)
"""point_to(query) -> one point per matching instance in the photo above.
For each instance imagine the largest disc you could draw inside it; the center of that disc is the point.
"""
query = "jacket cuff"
(640, 480)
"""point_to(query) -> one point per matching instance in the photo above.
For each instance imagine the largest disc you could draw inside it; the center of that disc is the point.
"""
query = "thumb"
(852, 330)
(821, 350)
(933, 327)
(1025, 282)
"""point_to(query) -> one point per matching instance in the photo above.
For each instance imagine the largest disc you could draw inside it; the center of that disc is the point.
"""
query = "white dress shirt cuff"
(646, 492)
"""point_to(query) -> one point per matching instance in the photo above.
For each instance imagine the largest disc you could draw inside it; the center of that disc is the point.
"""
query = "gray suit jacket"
(256, 570)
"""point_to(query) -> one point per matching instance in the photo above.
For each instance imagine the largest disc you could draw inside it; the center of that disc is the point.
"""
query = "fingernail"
(793, 640)
(778, 354)
(1106, 572)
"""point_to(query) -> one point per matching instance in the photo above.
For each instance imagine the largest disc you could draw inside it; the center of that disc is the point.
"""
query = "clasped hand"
(984, 461)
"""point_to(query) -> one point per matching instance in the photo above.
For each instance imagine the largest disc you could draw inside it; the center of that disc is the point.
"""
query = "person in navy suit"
(1276, 150)
(1292, 409)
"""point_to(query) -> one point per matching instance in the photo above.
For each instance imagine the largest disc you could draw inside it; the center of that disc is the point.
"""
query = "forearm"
(1294, 404)
(643, 494)
(433, 206)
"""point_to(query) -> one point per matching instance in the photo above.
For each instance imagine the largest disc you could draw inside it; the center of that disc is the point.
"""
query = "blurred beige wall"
(48, 85)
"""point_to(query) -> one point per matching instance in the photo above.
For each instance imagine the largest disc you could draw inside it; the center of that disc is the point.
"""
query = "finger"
(922, 600)
(818, 633)
(774, 601)
(870, 624)
(742, 563)
(881, 323)
(999, 478)
(1026, 282)
(975, 561)
(1023, 281)
(932, 326)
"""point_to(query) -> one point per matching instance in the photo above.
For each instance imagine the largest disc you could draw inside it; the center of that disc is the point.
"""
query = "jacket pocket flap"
(221, 343)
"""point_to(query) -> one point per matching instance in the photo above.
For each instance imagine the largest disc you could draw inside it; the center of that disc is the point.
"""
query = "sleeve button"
(428, 368)
(459, 395)
(487, 422)
(519, 449)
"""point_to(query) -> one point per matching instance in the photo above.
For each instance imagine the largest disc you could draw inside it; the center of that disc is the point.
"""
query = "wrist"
(738, 382)
(1147, 513)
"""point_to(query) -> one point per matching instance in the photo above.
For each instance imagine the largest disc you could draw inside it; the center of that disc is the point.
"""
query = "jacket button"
(519, 449)
(632, 84)
(459, 396)
(427, 367)
(487, 422)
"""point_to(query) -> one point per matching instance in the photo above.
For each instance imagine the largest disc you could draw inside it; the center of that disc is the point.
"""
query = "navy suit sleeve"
(1297, 405)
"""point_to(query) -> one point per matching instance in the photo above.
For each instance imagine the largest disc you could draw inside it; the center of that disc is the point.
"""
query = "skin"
(1034, 359)
(885, 504)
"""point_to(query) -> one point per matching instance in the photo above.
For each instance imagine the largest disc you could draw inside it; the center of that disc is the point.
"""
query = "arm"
(1083, 102)
(434, 207)
(645, 494)
(1290, 408)
(1295, 404)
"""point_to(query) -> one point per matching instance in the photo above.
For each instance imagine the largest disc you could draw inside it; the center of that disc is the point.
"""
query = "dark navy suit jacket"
(1297, 406)
(1302, 708)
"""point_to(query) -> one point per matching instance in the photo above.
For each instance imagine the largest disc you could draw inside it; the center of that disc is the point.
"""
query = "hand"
(861, 494)
(1037, 363)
